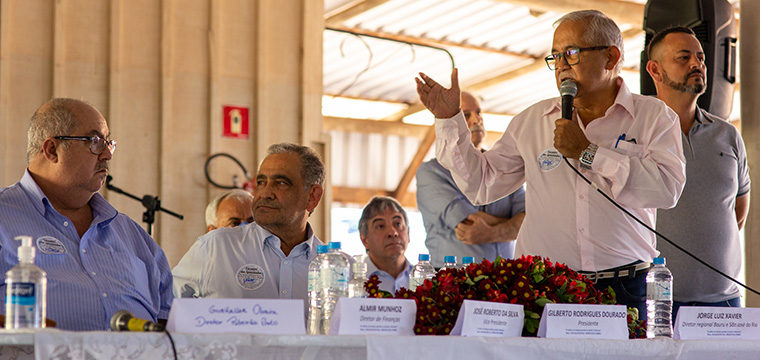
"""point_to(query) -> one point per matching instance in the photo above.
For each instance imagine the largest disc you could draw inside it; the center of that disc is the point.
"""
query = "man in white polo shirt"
(270, 257)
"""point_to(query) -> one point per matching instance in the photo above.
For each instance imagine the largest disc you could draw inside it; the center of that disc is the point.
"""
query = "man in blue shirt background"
(98, 261)
(453, 224)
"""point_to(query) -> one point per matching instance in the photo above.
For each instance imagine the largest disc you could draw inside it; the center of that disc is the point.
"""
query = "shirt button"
(581, 230)
(84, 250)
(93, 273)
(285, 262)
(580, 196)
(284, 292)
(105, 295)
(601, 170)
(65, 223)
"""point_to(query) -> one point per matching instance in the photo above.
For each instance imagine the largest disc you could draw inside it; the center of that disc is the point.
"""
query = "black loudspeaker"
(715, 26)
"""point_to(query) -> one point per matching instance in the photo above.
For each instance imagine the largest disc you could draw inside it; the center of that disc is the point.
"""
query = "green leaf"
(481, 277)
(542, 301)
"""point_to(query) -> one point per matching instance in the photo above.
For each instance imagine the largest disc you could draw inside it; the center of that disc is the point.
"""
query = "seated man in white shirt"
(229, 209)
(384, 231)
(270, 257)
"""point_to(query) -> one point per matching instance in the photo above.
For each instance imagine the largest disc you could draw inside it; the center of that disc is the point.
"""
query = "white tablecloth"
(55, 344)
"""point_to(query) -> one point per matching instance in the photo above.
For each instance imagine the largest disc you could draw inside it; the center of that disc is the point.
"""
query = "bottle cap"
(468, 260)
(26, 250)
(659, 260)
(334, 244)
(450, 259)
(321, 249)
(424, 257)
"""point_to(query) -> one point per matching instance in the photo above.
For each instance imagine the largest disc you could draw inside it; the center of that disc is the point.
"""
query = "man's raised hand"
(442, 102)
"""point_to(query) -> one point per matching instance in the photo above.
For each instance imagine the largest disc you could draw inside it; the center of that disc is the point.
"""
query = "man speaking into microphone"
(627, 144)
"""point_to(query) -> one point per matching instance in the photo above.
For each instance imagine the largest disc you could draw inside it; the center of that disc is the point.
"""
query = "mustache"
(102, 166)
(695, 71)
(477, 127)
(266, 203)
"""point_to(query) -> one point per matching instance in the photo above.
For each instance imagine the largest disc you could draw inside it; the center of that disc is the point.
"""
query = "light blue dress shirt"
(244, 262)
(387, 282)
(115, 266)
(444, 206)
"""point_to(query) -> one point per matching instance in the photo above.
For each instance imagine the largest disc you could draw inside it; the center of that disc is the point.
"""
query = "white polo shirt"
(244, 262)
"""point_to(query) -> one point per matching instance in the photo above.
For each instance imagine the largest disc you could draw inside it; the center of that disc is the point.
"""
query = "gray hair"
(312, 167)
(600, 30)
(377, 205)
(54, 118)
(213, 206)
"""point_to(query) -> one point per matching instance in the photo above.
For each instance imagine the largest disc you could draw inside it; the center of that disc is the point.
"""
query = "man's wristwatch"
(587, 156)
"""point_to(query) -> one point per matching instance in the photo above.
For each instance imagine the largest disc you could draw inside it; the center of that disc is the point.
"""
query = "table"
(53, 344)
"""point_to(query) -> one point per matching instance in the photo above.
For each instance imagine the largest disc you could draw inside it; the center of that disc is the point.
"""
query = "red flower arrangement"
(530, 281)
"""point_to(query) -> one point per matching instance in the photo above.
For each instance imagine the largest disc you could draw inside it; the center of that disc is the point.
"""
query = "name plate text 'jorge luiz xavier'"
(700, 322)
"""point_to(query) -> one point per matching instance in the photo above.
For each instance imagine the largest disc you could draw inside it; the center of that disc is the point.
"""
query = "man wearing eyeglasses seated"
(628, 145)
(98, 261)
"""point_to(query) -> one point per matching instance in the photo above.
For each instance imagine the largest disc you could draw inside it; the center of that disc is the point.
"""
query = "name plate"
(255, 316)
(698, 322)
(580, 321)
(485, 318)
(362, 316)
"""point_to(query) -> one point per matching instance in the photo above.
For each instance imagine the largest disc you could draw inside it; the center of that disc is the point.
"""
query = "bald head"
(55, 117)
(473, 115)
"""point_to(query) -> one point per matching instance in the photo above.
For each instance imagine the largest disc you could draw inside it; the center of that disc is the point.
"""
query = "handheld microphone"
(124, 320)
(567, 90)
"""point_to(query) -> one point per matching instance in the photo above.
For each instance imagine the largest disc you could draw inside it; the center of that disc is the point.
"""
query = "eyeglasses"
(97, 143)
(572, 56)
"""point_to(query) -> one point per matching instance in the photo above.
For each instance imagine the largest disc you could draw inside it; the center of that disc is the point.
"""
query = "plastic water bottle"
(335, 248)
(659, 300)
(423, 270)
(26, 287)
(315, 291)
(449, 262)
(466, 261)
(356, 285)
(335, 276)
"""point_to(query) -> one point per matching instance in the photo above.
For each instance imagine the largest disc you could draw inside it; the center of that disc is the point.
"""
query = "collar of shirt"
(372, 268)
(102, 211)
(308, 247)
(623, 99)
(700, 116)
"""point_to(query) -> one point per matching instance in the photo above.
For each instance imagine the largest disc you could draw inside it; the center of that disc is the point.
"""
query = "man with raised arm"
(627, 145)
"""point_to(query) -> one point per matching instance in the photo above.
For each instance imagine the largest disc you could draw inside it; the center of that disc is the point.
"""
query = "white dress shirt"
(566, 219)
(387, 282)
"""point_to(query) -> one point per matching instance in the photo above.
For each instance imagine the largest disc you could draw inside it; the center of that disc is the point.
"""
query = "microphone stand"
(151, 203)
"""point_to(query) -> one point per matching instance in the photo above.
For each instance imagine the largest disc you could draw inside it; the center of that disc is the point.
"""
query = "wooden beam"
(427, 41)
(364, 126)
(411, 171)
(353, 9)
(374, 127)
(361, 196)
(621, 11)
(411, 109)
